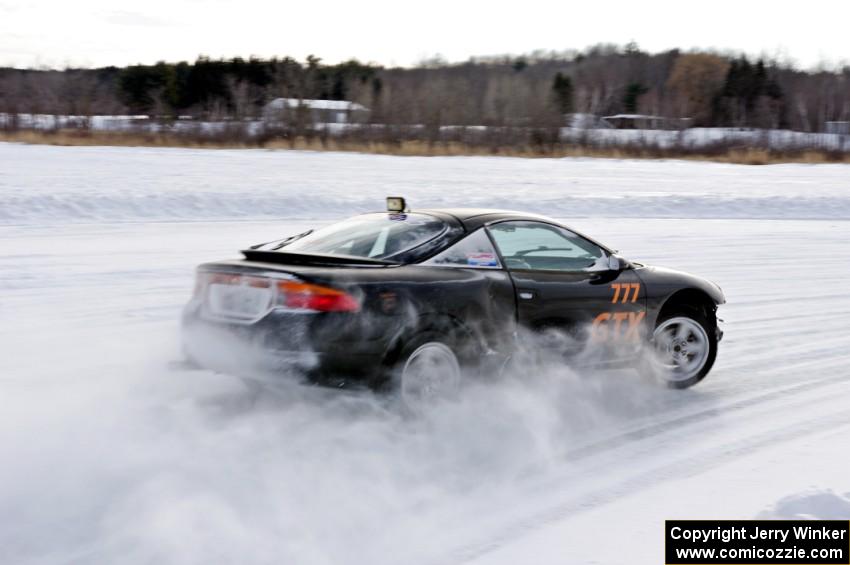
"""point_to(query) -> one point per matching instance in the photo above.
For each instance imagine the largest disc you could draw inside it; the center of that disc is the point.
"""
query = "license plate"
(237, 301)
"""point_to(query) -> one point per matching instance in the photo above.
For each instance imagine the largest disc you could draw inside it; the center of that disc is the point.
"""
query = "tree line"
(536, 90)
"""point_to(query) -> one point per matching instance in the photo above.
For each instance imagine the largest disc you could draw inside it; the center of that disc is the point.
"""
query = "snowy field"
(111, 452)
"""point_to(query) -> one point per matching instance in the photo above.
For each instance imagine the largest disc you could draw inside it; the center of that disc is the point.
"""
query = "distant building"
(319, 111)
(643, 121)
(842, 128)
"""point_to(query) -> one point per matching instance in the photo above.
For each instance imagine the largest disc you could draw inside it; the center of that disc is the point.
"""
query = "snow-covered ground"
(110, 452)
(91, 184)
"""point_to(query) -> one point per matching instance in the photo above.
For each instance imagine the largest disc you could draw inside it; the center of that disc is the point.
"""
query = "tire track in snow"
(681, 467)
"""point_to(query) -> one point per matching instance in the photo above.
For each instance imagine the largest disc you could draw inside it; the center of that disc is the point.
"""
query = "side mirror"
(616, 263)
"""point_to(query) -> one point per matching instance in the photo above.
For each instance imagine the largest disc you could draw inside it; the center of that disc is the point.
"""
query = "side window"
(474, 250)
(539, 246)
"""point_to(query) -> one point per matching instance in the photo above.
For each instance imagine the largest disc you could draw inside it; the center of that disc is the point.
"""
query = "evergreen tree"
(633, 93)
(562, 88)
(747, 87)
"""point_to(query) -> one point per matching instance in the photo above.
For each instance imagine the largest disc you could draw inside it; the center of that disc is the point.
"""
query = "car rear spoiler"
(285, 258)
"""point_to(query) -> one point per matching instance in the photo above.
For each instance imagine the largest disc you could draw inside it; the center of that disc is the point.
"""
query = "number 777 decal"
(624, 289)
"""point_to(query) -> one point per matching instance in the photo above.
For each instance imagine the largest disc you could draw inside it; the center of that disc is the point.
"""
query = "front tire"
(682, 350)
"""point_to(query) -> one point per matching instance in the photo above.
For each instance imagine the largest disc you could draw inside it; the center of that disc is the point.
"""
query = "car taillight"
(285, 294)
(306, 296)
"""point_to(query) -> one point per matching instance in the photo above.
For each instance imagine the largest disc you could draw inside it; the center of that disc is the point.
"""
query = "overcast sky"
(399, 32)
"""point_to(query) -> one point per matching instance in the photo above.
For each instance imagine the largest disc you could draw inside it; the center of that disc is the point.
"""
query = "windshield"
(376, 236)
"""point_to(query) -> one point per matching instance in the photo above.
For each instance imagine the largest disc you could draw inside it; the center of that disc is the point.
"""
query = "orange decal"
(635, 319)
(625, 287)
(636, 288)
(619, 317)
(599, 330)
(616, 288)
(617, 325)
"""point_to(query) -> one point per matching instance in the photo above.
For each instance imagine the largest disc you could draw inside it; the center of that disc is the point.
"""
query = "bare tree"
(695, 80)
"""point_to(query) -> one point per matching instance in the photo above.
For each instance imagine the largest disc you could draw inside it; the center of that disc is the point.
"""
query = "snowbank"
(810, 505)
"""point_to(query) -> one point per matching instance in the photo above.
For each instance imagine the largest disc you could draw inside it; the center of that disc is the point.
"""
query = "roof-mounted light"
(396, 204)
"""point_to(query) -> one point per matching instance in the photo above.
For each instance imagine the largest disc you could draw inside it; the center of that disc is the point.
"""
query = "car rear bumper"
(281, 345)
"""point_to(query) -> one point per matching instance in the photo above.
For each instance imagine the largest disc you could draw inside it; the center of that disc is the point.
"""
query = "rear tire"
(682, 349)
(427, 371)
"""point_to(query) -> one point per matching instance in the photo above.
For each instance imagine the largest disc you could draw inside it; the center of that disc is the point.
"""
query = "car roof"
(473, 218)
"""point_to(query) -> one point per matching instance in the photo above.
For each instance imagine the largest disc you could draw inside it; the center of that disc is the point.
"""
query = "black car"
(412, 300)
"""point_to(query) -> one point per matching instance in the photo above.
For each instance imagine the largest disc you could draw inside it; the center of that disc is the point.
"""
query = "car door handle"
(526, 294)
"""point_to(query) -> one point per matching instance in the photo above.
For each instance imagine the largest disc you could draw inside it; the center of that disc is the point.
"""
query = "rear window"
(376, 236)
